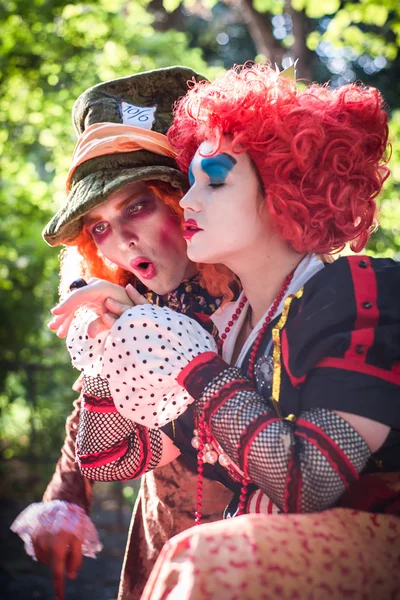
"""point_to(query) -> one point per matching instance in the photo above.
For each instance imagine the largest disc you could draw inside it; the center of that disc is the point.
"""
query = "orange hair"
(83, 259)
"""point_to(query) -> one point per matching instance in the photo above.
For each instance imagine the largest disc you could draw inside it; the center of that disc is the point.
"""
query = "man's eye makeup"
(98, 229)
(128, 208)
(136, 207)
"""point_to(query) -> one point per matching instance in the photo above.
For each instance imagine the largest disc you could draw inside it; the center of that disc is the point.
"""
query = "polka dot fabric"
(86, 353)
(144, 353)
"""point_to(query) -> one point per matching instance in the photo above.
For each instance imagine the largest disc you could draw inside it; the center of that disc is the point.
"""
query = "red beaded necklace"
(204, 437)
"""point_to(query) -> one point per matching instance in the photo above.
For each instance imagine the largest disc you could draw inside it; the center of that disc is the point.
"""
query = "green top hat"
(144, 100)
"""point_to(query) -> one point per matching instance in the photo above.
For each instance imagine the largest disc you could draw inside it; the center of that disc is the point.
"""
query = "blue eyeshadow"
(190, 174)
(218, 167)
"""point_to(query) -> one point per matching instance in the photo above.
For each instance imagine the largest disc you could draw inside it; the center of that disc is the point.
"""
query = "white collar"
(308, 267)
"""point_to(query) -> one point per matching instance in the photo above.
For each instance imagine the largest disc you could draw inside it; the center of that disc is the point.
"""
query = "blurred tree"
(386, 240)
(50, 51)
(344, 36)
(334, 40)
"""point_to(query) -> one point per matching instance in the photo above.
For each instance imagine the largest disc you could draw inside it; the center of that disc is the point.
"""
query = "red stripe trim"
(332, 452)
(392, 376)
(258, 503)
(363, 339)
(295, 381)
(100, 409)
(200, 361)
(206, 319)
(105, 457)
(365, 291)
(293, 485)
(224, 394)
(250, 500)
(143, 438)
(252, 430)
(98, 404)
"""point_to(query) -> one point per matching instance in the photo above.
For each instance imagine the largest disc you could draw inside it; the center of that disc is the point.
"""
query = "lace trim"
(56, 516)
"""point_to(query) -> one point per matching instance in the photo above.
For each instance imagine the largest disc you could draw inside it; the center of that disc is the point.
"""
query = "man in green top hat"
(122, 147)
(143, 101)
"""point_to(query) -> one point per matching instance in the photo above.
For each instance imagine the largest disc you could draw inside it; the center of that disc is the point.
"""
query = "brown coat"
(164, 507)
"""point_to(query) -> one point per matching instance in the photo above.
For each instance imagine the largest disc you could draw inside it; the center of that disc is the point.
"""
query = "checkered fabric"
(109, 441)
(303, 466)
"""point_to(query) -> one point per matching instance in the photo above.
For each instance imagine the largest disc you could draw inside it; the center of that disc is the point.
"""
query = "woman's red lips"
(190, 227)
(144, 267)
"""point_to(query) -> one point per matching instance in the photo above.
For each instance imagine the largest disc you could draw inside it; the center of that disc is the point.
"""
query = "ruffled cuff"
(56, 516)
(86, 353)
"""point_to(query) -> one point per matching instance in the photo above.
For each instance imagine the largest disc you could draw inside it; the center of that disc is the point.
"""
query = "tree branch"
(260, 29)
(301, 28)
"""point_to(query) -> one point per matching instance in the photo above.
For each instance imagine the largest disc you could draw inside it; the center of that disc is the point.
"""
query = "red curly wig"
(320, 153)
(83, 259)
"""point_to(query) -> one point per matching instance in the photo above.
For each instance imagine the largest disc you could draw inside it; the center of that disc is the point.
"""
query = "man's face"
(224, 211)
(135, 230)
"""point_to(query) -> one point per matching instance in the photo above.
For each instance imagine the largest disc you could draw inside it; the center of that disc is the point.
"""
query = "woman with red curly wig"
(296, 407)
(300, 401)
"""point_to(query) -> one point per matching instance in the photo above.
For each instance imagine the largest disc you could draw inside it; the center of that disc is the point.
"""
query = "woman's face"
(136, 231)
(224, 209)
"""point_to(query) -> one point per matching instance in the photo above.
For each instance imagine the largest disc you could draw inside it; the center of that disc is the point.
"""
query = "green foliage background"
(50, 51)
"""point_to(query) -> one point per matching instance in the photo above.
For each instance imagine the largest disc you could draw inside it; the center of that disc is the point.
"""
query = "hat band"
(102, 139)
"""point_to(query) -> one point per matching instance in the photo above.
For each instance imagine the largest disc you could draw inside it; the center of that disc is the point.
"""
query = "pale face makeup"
(136, 231)
(224, 210)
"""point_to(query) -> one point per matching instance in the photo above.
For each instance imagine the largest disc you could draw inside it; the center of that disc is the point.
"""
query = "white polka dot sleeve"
(86, 353)
(144, 353)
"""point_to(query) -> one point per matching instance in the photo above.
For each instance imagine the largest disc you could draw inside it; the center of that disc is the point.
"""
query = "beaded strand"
(201, 435)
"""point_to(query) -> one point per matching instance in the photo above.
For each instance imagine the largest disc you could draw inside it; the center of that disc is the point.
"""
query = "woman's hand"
(114, 310)
(106, 299)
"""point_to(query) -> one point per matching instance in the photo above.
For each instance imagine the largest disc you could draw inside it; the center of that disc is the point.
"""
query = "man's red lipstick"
(144, 267)
(190, 227)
